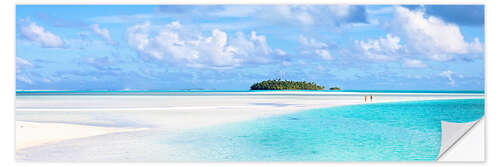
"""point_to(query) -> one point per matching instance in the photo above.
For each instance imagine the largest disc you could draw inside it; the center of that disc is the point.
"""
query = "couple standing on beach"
(371, 98)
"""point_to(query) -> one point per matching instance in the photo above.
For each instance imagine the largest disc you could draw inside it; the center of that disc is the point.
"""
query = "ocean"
(400, 131)
(390, 131)
(230, 92)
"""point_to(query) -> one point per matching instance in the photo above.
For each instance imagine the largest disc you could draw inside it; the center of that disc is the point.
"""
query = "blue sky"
(228, 47)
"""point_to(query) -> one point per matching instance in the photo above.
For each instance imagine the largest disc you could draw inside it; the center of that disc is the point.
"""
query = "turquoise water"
(401, 131)
(197, 92)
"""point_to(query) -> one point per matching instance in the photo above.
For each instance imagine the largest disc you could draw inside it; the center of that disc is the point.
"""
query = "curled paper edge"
(451, 133)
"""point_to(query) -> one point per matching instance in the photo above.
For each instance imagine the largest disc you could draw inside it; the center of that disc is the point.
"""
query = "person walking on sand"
(371, 98)
(365, 99)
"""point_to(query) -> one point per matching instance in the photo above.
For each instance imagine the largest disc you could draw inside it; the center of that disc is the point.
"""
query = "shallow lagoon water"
(399, 131)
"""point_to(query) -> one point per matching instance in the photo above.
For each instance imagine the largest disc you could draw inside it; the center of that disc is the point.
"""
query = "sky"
(230, 47)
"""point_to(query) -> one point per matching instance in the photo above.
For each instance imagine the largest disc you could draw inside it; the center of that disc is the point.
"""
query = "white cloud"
(213, 51)
(123, 18)
(311, 42)
(382, 49)
(38, 34)
(311, 46)
(254, 49)
(315, 14)
(413, 63)
(24, 79)
(228, 26)
(22, 64)
(299, 14)
(235, 11)
(340, 11)
(280, 52)
(103, 33)
(325, 54)
(476, 46)
(380, 11)
(448, 74)
(431, 36)
(321, 68)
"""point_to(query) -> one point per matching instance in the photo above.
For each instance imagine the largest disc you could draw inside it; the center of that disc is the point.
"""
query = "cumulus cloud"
(103, 33)
(216, 50)
(431, 36)
(35, 33)
(311, 46)
(254, 48)
(425, 37)
(382, 49)
(448, 74)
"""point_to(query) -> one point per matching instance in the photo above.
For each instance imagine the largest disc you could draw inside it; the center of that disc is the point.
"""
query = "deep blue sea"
(400, 131)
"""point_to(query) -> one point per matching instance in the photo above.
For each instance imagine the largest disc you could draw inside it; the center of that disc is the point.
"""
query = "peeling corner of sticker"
(451, 134)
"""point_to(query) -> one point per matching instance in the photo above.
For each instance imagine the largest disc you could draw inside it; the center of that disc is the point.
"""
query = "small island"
(334, 88)
(279, 84)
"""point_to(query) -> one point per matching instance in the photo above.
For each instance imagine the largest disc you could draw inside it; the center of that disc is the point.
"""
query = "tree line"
(278, 84)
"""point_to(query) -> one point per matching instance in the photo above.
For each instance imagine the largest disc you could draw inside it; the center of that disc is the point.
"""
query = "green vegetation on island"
(279, 84)
(335, 88)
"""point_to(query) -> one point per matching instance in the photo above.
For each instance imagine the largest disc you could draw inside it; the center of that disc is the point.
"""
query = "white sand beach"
(49, 119)
(29, 134)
